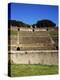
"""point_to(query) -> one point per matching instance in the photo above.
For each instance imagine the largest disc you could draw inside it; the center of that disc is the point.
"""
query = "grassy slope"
(52, 33)
(30, 70)
(13, 32)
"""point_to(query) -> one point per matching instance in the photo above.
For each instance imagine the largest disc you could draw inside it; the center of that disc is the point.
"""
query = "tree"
(33, 25)
(17, 23)
(45, 23)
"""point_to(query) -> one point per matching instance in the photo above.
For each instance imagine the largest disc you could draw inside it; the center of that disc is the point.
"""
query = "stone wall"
(48, 58)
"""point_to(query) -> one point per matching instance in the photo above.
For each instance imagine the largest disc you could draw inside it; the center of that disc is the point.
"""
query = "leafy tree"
(45, 23)
(17, 23)
(33, 25)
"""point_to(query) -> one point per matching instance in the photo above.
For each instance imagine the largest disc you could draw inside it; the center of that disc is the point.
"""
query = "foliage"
(17, 23)
(40, 23)
(45, 23)
(33, 69)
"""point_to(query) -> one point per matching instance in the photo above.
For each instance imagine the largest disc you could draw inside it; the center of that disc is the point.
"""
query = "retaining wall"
(49, 58)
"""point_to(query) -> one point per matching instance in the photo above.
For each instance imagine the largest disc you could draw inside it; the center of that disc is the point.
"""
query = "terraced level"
(37, 40)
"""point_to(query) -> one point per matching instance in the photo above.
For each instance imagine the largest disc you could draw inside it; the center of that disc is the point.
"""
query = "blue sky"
(31, 13)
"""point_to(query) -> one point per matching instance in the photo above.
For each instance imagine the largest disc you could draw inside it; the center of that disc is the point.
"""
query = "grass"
(13, 32)
(32, 69)
(31, 34)
(53, 33)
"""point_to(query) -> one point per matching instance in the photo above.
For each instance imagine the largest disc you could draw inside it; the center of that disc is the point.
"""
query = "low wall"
(49, 58)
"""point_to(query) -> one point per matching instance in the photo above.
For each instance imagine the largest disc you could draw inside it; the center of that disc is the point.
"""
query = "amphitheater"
(36, 47)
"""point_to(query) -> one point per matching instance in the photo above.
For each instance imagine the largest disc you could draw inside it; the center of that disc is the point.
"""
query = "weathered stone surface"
(49, 58)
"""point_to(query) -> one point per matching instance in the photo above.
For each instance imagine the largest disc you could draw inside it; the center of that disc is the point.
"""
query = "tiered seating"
(38, 40)
(32, 34)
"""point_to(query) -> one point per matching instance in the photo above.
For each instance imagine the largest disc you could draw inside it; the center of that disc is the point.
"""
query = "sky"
(31, 13)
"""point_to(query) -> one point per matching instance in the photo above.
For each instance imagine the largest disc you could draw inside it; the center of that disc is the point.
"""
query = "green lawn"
(31, 69)
(13, 32)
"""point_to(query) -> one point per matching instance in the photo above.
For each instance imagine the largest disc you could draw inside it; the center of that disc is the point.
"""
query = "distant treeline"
(40, 23)
(17, 23)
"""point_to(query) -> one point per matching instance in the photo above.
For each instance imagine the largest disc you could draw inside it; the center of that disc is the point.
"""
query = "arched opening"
(18, 48)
